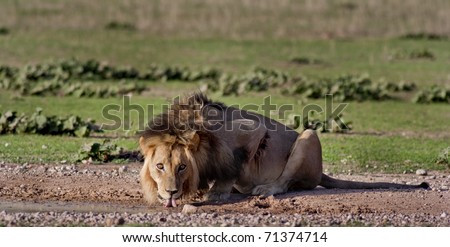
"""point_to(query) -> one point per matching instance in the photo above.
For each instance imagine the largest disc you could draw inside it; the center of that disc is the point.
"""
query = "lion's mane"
(187, 122)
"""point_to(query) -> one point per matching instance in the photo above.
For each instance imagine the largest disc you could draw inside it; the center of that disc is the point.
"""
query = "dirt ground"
(115, 189)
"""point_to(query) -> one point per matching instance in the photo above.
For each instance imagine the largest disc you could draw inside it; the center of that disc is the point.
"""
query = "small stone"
(123, 169)
(44, 147)
(41, 169)
(189, 209)
(443, 215)
(444, 188)
(63, 161)
(421, 172)
(84, 162)
(120, 221)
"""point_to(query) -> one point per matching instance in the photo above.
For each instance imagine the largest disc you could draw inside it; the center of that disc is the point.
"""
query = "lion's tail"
(329, 183)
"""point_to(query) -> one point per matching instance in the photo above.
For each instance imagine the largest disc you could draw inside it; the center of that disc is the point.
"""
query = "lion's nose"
(172, 192)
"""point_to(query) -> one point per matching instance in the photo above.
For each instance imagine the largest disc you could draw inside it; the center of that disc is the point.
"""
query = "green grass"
(409, 133)
(49, 149)
(392, 117)
(391, 154)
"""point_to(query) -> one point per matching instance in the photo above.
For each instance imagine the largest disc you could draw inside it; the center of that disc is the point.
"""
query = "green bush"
(103, 152)
(413, 54)
(432, 95)
(343, 88)
(77, 78)
(116, 25)
(306, 61)
(347, 88)
(106, 152)
(4, 31)
(424, 36)
(333, 124)
(257, 80)
(74, 77)
(444, 157)
(37, 123)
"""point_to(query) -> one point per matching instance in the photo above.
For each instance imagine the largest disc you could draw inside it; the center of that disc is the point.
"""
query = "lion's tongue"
(171, 203)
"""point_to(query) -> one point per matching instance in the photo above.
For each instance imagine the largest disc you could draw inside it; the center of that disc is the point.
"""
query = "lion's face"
(172, 171)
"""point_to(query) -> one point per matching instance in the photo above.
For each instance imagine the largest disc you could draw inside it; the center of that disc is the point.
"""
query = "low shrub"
(38, 123)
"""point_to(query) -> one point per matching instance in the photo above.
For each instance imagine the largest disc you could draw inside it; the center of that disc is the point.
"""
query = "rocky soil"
(109, 195)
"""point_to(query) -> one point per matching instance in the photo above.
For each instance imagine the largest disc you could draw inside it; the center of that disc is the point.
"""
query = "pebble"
(41, 169)
(123, 169)
(68, 218)
(189, 209)
(120, 221)
(421, 172)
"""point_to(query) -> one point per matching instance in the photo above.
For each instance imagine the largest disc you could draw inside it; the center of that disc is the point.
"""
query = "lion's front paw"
(266, 190)
(216, 196)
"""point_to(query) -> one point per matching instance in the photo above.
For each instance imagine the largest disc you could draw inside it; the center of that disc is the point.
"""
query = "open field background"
(348, 37)
(246, 19)
(389, 41)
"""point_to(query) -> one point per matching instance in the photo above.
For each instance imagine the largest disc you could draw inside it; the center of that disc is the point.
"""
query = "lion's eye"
(160, 166)
(182, 167)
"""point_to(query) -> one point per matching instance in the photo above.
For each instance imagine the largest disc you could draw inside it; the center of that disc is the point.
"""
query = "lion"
(201, 145)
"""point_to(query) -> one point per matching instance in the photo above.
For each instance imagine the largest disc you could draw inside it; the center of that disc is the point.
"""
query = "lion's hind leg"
(303, 168)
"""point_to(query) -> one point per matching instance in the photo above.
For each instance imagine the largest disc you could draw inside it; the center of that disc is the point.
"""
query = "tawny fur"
(198, 142)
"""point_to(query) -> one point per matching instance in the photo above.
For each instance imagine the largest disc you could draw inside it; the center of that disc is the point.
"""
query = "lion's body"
(230, 148)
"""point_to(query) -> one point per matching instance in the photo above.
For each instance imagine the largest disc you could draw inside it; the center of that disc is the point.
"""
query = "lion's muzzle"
(170, 202)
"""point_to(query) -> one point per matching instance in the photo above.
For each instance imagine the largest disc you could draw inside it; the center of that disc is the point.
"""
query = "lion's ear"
(144, 145)
(195, 142)
(191, 139)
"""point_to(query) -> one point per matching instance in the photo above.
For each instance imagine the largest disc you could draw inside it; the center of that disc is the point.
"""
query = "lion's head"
(181, 152)
(170, 171)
